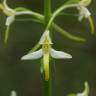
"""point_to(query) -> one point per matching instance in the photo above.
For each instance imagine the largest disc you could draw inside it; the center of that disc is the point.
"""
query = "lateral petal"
(33, 55)
(59, 54)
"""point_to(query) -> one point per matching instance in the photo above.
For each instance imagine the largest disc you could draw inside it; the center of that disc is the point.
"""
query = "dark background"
(69, 75)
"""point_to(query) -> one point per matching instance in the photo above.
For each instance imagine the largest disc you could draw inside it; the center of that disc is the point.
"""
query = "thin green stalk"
(47, 88)
(47, 10)
(91, 24)
(47, 14)
(66, 34)
(57, 12)
(6, 34)
(21, 11)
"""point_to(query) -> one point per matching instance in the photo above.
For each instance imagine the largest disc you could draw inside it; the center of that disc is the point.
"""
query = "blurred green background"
(69, 75)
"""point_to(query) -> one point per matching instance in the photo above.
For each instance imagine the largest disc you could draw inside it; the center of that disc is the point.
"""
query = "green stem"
(66, 34)
(6, 34)
(47, 14)
(91, 24)
(57, 12)
(47, 88)
(47, 10)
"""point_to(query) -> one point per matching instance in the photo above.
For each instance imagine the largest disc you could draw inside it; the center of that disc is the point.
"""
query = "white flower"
(46, 51)
(84, 93)
(11, 13)
(83, 11)
(13, 93)
(86, 90)
(8, 12)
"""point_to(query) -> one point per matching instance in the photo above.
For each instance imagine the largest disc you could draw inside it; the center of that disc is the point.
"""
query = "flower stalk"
(47, 84)
(47, 10)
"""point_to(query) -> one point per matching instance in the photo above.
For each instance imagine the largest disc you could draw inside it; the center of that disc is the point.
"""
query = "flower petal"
(13, 93)
(44, 36)
(59, 54)
(86, 90)
(83, 13)
(33, 55)
(9, 20)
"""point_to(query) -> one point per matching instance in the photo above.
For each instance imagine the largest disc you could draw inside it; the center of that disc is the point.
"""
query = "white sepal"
(9, 20)
(33, 55)
(83, 13)
(59, 54)
(13, 93)
(44, 36)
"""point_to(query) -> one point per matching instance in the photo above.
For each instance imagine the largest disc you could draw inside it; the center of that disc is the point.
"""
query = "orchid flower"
(13, 93)
(8, 12)
(83, 11)
(84, 93)
(11, 13)
(86, 90)
(46, 52)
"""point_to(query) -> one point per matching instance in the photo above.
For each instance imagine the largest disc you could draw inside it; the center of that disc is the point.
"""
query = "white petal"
(80, 17)
(9, 20)
(83, 12)
(87, 13)
(44, 36)
(59, 54)
(33, 55)
(86, 90)
(13, 93)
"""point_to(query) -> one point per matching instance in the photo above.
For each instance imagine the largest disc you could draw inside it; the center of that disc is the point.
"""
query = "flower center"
(46, 46)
